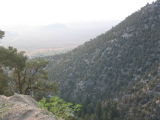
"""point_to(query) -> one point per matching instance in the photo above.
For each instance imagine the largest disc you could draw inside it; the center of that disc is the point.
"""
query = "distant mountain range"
(53, 36)
(122, 64)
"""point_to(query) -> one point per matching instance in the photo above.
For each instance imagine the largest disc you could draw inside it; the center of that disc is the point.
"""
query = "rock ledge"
(22, 107)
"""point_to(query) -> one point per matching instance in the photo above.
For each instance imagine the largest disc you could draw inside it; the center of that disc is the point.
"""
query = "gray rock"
(22, 107)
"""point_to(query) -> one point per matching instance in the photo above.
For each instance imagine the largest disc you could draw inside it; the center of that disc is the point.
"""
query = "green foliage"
(4, 88)
(22, 75)
(9, 59)
(60, 108)
(106, 110)
(32, 78)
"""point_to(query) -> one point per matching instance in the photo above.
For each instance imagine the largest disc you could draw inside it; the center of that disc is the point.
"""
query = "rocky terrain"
(22, 107)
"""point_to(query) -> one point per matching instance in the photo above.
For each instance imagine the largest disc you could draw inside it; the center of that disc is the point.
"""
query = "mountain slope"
(141, 100)
(105, 66)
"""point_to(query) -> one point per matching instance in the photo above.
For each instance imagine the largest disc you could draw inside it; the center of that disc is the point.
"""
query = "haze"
(60, 24)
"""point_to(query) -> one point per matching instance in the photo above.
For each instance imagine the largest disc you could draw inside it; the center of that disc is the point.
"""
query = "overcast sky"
(43, 12)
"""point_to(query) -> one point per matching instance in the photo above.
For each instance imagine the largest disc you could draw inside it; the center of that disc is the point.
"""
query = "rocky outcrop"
(22, 107)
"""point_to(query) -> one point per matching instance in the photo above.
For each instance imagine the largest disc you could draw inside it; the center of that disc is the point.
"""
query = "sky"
(43, 12)
(39, 25)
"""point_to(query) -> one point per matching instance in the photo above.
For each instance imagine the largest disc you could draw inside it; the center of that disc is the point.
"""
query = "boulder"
(22, 107)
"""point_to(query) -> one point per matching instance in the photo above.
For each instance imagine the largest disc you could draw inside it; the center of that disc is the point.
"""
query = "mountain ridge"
(107, 64)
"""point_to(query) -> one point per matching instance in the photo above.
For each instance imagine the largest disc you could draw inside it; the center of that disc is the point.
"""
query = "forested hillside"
(121, 66)
(115, 76)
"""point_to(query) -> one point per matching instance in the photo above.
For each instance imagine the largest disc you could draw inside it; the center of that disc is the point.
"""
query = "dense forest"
(115, 76)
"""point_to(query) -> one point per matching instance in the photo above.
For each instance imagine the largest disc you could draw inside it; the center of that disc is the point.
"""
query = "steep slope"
(142, 99)
(22, 107)
(105, 66)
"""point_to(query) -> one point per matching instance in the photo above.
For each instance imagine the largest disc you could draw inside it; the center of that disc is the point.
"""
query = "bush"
(60, 108)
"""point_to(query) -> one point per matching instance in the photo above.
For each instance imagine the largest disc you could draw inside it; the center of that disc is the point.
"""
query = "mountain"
(33, 39)
(122, 64)
(22, 107)
(141, 100)
(113, 60)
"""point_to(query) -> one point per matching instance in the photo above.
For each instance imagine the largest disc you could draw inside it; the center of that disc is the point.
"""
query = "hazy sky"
(43, 12)
(32, 25)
